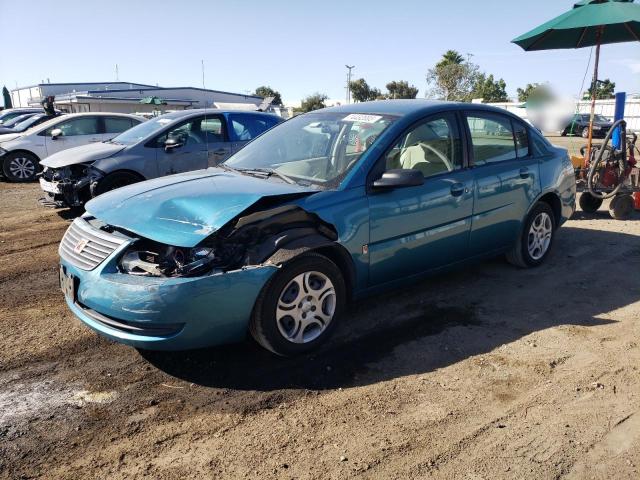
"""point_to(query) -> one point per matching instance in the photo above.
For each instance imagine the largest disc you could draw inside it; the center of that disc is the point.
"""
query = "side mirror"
(398, 179)
(55, 133)
(171, 143)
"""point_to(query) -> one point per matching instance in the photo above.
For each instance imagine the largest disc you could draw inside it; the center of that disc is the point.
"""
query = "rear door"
(112, 126)
(75, 132)
(506, 176)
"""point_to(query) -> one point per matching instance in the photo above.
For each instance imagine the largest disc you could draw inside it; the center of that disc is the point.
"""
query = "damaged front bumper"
(165, 313)
(68, 186)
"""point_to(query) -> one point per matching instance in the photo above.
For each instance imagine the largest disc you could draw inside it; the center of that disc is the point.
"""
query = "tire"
(20, 167)
(589, 203)
(113, 181)
(621, 207)
(585, 132)
(286, 330)
(534, 244)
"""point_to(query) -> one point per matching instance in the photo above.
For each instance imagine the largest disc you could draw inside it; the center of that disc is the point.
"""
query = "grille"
(85, 246)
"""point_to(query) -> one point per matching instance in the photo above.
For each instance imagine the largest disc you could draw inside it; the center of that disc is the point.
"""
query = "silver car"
(172, 143)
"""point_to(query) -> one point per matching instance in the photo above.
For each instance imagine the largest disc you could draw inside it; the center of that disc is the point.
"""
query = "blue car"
(329, 206)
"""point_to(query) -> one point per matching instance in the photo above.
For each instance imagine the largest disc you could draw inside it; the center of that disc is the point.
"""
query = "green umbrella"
(153, 101)
(589, 23)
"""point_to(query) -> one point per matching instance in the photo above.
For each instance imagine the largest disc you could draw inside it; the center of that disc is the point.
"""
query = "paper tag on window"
(361, 117)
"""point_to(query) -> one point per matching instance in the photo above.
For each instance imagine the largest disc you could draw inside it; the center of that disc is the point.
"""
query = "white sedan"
(21, 153)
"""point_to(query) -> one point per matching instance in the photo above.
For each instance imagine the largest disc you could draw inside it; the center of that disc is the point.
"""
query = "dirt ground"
(486, 373)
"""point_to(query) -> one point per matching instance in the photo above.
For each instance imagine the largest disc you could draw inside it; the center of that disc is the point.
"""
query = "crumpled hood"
(184, 209)
(5, 137)
(83, 154)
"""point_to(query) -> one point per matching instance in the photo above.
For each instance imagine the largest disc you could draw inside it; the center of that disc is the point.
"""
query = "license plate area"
(68, 284)
(49, 187)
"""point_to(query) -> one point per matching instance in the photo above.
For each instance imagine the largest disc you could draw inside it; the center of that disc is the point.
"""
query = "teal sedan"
(327, 207)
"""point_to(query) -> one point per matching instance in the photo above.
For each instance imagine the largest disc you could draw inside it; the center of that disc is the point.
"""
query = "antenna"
(117, 76)
(349, 68)
(202, 61)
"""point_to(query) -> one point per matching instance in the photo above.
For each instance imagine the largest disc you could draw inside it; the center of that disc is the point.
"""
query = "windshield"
(600, 118)
(24, 124)
(316, 148)
(16, 120)
(141, 131)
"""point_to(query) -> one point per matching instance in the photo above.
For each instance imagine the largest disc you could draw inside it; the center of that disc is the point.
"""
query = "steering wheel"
(439, 154)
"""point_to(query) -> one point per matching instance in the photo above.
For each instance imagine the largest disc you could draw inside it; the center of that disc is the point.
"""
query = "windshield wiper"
(228, 168)
(268, 172)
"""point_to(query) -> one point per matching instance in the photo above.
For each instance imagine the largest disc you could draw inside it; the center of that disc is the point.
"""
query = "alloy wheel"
(306, 307)
(22, 168)
(539, 237)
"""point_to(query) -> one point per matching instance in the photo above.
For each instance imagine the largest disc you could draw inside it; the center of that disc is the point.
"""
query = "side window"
(492, 138)
(211, 129)
(187, 133)
(77, 126)
(116, 124)
(433, 147)
(246, 127)
(522, 139)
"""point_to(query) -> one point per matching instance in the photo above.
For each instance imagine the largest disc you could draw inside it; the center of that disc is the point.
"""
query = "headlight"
(2, 151)
(156, 260)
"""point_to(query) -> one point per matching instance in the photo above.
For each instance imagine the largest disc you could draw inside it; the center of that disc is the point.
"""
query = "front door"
(190, 153)
(416, 229)
(75, 132)
(506, 179)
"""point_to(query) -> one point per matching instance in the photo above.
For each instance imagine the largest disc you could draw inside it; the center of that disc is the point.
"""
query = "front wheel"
(536, 238)
(113, 181)
(300, 306)
(20, 167)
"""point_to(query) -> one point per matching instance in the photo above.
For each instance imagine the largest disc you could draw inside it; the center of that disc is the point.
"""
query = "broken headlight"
(157, 260)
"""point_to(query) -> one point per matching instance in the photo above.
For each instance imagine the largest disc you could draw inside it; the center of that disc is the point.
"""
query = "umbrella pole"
(594, 88)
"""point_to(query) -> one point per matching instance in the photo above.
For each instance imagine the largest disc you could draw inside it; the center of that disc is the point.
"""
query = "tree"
(7, 97)
(453, 77)
(401, 89)
(362, 92)
(313, 102)
(489, 90)
(534, 93)
(266, 91)
(604, 89)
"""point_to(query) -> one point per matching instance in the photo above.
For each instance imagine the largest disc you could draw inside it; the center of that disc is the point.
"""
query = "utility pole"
(349, 68)
(117, 76)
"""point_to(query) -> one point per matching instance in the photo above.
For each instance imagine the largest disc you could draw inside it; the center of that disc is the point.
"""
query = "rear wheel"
(20, 167)
(621, 207)
(536, 238)
(589, 203)
(300, 306)
(115, 180)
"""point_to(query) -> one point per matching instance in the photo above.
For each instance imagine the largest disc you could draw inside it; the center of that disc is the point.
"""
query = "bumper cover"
(166, 313)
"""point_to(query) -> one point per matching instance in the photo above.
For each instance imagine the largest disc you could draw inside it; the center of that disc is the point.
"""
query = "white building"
(124, 97)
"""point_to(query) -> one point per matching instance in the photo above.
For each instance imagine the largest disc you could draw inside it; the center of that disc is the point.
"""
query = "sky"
(297, 47)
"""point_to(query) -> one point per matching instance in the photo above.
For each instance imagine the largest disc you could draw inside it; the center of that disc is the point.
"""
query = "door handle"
(457, 189)
(524, 172)
(221, 151)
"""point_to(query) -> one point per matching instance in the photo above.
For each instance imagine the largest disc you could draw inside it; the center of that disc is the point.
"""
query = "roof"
(48, 123)
(84, 83)
(409, 107)
(199, 111)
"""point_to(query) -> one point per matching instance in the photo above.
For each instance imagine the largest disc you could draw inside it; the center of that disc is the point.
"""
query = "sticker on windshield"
(361, 117)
